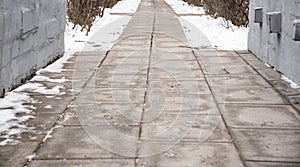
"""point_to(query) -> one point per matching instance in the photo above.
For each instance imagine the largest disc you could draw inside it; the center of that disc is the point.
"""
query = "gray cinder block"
(29, 20)
(274, 22)
(1, 27)
(296, 33)
(258, 15)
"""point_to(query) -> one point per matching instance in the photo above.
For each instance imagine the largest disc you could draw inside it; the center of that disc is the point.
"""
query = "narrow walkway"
(153, 101)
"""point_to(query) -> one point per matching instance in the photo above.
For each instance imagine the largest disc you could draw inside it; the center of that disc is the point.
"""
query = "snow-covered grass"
(182, 7)
(292, 83)
(125, 6)
(75, 40)
(220, 37)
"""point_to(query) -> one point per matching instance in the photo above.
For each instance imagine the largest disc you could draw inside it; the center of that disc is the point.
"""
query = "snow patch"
(11, 107)
(30, 157)
(67, 116)
(222, 38)
(57, 66)
(48, 107)
(292, 83)
(39, 88)
(47, 79)
(268, 65)
(49, 133)
(125, 6)
(222, 35)
(181, 7)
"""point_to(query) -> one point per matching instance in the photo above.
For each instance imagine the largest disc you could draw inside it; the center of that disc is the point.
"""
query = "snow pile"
(292, 83)
(75, 40)
(182, 7)
(215, 30)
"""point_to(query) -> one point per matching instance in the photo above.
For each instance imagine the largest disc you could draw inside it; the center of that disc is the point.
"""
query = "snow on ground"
(57, 67)
(182, 7)
(10, 123)
(14, 112)
(40, 78)
(220, 37)
(125, 6)
(292, 83)
(75, 40)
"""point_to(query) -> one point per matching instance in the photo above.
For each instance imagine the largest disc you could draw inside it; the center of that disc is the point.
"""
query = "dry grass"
(234, 10)
(84, 12)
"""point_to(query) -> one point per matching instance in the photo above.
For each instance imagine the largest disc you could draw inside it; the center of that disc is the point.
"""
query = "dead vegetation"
(84, 12)
(234, 10)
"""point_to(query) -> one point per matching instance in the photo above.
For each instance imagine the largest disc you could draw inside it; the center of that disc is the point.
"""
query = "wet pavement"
(153, 101)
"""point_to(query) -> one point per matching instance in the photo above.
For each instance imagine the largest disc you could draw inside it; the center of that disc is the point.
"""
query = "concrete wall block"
(7, 77)
(296, 30)
(258, 15)
(29, 20)
(274, 22)
(11, 5)
(48, 52)
(28, 44)
(6, 56)
(292, 7)
(52, 28)
(12, 25)
(29, 61)
(1, 27)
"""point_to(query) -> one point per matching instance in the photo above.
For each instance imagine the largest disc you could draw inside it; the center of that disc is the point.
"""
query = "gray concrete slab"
(270, 74)
(213, 52)
(189, 127)
(261, 116)
(272, 164)
(295, 101)
(190, 154)
(238, 81)
(268, 145)
(75, 143)
(231, 70)
(225, 61)
(16, 155)
(260, 95)
(99, 115)
(84, 163)
(285, 88)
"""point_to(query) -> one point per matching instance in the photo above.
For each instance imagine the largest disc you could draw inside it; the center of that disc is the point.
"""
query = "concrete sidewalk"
(153, 101)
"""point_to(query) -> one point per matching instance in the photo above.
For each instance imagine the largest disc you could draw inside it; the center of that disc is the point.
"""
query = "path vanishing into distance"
(152, 100)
